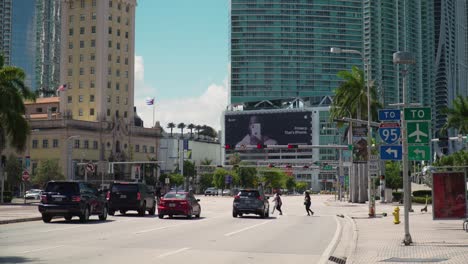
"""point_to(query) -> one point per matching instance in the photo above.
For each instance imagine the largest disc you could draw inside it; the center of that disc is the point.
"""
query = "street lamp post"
(369, 139)
(70, 175)
(405, 58)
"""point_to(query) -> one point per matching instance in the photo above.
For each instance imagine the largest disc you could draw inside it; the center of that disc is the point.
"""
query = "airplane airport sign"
(418, 132)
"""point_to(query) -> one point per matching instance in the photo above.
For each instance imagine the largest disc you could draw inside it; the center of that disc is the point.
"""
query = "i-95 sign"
(390, 132)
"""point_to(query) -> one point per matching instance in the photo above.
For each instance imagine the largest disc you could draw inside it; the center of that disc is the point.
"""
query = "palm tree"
(14, 128)
(191, 127)
(171, 126)
(457, 117)
(198, 128)
(206, 161)
(181, 126)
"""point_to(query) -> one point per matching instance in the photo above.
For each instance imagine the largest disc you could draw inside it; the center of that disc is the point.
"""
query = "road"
(216, 237)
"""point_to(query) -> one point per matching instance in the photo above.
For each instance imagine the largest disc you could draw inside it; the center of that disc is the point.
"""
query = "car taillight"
(138, 196)
(260, 198)
(161, 202)
(237, 197)
(108, 196)
(76, 198)
(43, 198)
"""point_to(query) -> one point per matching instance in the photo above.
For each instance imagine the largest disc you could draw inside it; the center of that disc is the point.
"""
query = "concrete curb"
(19, 220)
(333, 244)
(354, 241)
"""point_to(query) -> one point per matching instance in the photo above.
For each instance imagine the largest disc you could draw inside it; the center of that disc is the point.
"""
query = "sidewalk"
(380, 240)
(17, 211)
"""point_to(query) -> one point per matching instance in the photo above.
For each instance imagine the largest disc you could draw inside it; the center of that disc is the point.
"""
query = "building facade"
(281, 49)
(97, 59)
(5, 29)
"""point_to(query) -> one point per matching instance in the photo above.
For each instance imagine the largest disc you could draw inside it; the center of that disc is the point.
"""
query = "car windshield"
(62, 187)
(249, 194)
(175, 196)
(124, 188)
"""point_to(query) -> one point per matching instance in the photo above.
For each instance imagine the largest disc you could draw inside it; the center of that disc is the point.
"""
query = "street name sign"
(419, 153)
(390, 132)
(391, 152)
(418, 132)
(373, 165)
(418, 114)
(389, 115)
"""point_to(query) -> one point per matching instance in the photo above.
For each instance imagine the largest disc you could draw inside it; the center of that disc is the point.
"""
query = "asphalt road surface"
(216, 237)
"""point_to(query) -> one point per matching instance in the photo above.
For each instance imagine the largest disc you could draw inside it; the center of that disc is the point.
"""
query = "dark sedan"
(250, 201)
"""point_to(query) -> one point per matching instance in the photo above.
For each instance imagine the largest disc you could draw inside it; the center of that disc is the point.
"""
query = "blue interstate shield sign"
(390, 132)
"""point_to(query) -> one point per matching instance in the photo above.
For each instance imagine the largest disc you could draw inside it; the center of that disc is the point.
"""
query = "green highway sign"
(418, 114)
(418, 132)
(419, 153)
(327, 167)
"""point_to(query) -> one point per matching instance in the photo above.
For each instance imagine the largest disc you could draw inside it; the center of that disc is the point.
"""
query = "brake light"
(138, 196)
(237, 197)
(43, 198)
(108, 196)
(76, 199)
(260, 198)
(161, 202)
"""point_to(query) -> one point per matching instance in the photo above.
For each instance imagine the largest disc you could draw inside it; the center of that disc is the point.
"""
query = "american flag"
(149, 101)
(62, 88)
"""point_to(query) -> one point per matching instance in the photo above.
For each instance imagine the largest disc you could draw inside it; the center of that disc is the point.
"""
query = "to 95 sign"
(390, 132)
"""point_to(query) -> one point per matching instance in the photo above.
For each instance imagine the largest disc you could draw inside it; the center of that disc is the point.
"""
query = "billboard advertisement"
(274, 128)
(448, 195)
(360, 144)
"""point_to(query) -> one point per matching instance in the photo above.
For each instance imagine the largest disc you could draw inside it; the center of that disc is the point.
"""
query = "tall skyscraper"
(97, 59)
(400, 25)
(47, 67)
(18, 41)
(281, 50)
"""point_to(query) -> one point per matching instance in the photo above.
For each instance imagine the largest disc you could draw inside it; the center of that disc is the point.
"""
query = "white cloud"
(205, 109)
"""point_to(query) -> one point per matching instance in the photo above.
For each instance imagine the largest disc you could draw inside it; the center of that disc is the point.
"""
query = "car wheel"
(85, 216)
(267, 215)
(199, 213)
(240, 215)
(123, 212)
(103, 216)
(111, 212)
(46, 218)
(190, 213)
(68, 218)
(171, 216)
(142, 210)
(161, 216)
(152, 211)
(234, 214)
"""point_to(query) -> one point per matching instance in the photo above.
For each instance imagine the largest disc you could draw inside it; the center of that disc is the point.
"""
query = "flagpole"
(153, 113)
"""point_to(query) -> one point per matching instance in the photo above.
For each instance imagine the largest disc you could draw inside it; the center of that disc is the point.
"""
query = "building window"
(109, 57)
(80, 84)
(109, 44)
(69, 99)
(126, 47)
(117, 113)
(110, 17)
(82, 5)
(127, 21)
(126, 35)
(55, 143)
(126, 101)
(70, 19)
(117, 86)
(110, 30)
(109, 71)
(70, 32)
(117, 73)
(108, 99)
(93, 43)
(109, 85)
(117, 100)
(118, 45)
(126, 74)
(69, 86)
(70, 72)
(70, 45)
(91, 98)
(92, 70)
(86, 144)
(92, 57)
(34, 144)
(94, 2)
(126, 87)
(145, 150)
(127, 8)
(151, 149)
(77, 143)
(108, 112)
(81, 44)
(39, 110)
(70, 59)
(95, 144)
(91, 83)
(81, 71)
(110, 3)
(118, 59)
(82, 17)
(91, 111)
(80, 98)
(45, 143)
(126, 61)
(118, 31)
(81, 57)
(80, 112)
(93, 15)
(118, 20)
(137, 148)
(119, 6)
(82, 31)
(125, 114)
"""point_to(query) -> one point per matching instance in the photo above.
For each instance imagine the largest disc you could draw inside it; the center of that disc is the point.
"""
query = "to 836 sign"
(390, 132)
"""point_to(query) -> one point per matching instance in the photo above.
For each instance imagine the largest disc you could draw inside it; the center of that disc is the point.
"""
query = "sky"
(181, 59)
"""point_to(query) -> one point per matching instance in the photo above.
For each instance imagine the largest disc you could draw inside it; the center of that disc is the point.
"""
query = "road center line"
(59, 229)
(39, 249)
(166, 227)
(172, 252)
(247, 228)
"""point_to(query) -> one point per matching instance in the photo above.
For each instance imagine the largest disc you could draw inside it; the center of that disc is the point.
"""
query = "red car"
(179, 203)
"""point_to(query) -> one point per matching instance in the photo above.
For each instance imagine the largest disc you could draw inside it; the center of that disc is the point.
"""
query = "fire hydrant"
(396, 215)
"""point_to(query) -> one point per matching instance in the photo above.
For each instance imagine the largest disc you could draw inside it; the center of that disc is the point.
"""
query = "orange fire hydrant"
(396, 215)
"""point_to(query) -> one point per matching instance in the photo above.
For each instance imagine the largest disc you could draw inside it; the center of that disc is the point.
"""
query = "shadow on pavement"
(77, 221)
(182, 217)
(15, 259)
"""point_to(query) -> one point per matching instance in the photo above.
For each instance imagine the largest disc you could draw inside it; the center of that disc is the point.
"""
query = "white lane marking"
(59, 229)
(333, 243)
(172, 252)
(247, 228)
(39, 249)
(169, 226)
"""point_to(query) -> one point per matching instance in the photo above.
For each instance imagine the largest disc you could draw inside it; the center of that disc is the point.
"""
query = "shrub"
(422, 193)
(7, 197)
(397, 196)
(422, 200)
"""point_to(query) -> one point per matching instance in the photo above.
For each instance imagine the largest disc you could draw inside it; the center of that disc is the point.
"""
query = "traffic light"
(289, 166)
(443, 138)
(3, 161)
(261, 146)
(292, 146)
(227, 146)
(271, 165)
(305, 167)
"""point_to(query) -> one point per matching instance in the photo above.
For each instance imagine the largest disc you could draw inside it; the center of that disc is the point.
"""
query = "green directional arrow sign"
(418, 114)
(419, 153)
(418, 132)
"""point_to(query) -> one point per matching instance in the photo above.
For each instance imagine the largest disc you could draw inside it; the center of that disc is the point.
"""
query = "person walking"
(278, 203)
(274, 203)
(307, 204)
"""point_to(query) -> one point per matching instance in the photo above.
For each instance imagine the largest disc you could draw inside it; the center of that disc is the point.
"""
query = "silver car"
(33, 194)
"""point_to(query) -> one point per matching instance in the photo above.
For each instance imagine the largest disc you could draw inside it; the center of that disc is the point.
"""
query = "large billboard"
(274, 128)
(448, 195)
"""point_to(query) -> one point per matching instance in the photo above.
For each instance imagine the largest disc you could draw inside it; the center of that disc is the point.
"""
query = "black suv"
(250, 201)
(70, 198)
(128, 196)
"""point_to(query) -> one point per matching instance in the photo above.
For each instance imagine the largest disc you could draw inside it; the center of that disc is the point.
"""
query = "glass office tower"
(281, 50)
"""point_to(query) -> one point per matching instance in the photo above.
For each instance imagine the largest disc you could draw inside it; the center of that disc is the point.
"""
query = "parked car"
(227, 192)
(70, 198)
(179, 203)
(251, 201)
(131, 196)
(211, 191)
(33, 194)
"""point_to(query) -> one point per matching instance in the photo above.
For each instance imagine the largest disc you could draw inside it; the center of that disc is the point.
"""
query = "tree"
(206, 180)
(393, 178)
(191, 127)
(290, 183)
(301, 186)
(219, 177)
(14, 170)
(48, 170)
(14, 128)
(171, 126)
(234, 159)
(198, 128)
(247, 177)
(208, 131)
(457, 117)
(181, 126)
(206, 161)
(272, 178)
(176, 179)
